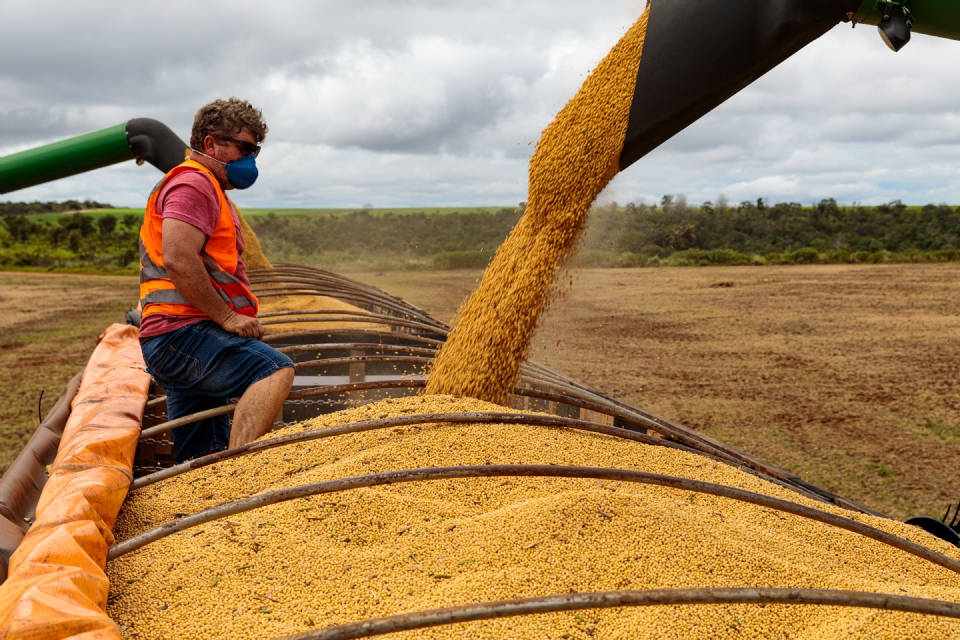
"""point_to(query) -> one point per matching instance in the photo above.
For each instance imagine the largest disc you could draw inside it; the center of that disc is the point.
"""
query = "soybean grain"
(576, 156)
(379, 551)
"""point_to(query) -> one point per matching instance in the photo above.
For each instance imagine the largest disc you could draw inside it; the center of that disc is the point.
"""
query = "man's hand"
(243, 326)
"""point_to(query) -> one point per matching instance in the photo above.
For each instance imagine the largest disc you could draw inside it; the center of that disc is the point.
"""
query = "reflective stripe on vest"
(172, 296)
(150, 271)
(219, 256)
(148, 268)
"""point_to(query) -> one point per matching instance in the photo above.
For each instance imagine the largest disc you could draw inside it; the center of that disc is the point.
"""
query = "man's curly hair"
(226, 118)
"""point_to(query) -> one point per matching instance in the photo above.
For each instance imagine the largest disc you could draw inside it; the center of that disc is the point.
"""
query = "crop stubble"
(49, 326)
(845, 375)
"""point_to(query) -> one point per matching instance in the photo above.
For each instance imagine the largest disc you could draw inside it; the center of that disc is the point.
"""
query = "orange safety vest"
(219, 255)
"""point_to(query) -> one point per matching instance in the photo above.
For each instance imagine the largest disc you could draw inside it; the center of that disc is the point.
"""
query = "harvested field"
(48, 328)
(845, 375)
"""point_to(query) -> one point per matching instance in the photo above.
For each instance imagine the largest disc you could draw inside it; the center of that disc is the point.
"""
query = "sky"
(439, 102)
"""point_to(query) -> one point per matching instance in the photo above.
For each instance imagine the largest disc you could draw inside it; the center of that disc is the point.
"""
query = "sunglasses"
(246, 148)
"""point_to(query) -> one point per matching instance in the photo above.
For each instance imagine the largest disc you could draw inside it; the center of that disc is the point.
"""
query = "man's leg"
(258, 407)
(199, 438)
(204, 360)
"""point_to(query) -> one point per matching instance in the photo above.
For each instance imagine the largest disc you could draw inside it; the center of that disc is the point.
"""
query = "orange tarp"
(56, 587)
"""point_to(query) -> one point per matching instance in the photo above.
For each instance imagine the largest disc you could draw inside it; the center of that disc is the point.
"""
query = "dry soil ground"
(48, 327)
(845, 375)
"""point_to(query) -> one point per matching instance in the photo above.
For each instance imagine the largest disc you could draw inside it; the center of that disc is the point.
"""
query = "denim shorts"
(201, 367)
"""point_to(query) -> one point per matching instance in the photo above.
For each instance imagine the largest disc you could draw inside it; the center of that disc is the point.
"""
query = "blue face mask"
(242, 173)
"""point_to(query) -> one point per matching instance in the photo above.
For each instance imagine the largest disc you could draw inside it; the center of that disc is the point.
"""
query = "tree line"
(78, 241)
(774, 232)
(444, 240)
(30, 208)
(672, 232)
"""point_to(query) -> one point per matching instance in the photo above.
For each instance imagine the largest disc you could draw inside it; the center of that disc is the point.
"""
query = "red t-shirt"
(190, 197)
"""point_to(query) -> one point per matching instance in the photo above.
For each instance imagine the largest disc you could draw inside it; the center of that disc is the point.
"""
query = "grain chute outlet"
(425, 478)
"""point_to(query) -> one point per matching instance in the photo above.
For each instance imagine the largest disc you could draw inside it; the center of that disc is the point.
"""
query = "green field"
(250, 212)
(256, 212)
(93, 213)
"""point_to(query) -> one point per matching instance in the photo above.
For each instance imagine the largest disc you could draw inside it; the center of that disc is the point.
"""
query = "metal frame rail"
(569, 602)
(399, 421)
(530, 606)
(520, 470)
(423, 336)
(535, 387)
(511, 418)
(633, 598)
(538, 383)
(291, 279)
(534, 374)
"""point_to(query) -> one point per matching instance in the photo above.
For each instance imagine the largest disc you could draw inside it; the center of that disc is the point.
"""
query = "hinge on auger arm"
(895, 30)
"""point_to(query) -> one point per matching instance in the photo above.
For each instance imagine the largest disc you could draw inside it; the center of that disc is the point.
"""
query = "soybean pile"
(576, 156)
(379, 551)
(253, 256)
(308, 322)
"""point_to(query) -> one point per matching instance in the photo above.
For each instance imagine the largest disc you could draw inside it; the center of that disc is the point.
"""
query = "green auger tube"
(940, 18)
(64, 158)
(142, 139)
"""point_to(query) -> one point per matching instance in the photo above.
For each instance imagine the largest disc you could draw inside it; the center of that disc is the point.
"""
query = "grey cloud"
(843, 118)
(159, 57)
(438, 102)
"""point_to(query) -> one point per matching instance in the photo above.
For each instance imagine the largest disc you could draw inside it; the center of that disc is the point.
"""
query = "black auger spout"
(699, 53)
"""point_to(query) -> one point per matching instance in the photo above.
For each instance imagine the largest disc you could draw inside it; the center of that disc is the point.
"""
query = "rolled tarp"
(56, 586)
(22, 483)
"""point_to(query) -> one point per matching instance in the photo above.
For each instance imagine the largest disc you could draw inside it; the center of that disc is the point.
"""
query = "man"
(199, 333)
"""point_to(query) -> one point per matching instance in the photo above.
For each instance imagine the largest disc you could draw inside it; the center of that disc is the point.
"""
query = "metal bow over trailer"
(109, 432)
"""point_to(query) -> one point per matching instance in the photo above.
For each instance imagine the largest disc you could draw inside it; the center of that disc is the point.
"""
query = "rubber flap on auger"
(56, 587)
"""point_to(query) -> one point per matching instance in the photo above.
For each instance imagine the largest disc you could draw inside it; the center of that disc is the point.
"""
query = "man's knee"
(280, 380)
(285, 376)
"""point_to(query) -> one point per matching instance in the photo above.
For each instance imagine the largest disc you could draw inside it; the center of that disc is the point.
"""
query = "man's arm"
(182, 243)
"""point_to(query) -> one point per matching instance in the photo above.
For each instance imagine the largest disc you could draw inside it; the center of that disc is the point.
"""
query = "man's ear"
(210, 145)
